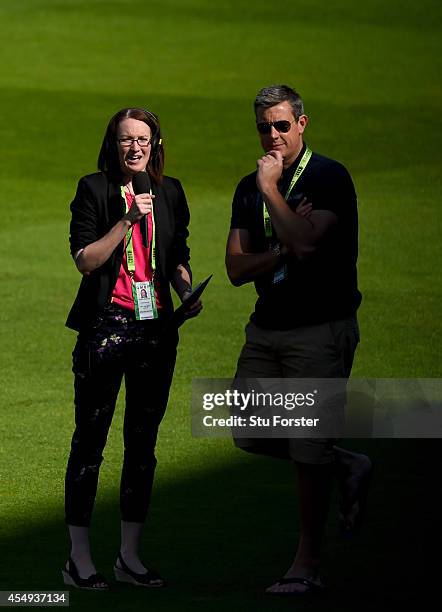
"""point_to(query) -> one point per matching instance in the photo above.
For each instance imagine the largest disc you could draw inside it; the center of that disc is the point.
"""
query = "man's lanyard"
(299, 170)
(130, 256)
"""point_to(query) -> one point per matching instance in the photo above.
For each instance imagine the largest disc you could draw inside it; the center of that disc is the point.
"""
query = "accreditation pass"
(144, 300)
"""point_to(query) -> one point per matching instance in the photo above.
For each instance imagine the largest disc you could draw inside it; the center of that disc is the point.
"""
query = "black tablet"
(180, 313)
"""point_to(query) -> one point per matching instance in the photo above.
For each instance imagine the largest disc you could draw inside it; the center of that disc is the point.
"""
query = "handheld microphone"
(141, 184)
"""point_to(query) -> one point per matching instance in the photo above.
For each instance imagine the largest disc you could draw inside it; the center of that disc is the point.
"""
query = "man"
(294, 234)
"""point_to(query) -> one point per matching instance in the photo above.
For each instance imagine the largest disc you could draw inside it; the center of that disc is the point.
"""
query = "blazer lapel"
(162, 225)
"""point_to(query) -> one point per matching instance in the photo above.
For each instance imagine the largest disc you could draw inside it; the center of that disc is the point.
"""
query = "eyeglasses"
(126, 141)
(280, 126)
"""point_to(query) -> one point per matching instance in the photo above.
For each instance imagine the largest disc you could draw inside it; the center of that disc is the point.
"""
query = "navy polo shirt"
(322, 287)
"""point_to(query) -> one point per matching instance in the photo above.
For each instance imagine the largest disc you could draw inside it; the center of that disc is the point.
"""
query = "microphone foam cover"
(141, 183)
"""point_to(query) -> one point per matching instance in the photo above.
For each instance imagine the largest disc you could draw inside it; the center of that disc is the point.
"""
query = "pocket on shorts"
(345, 334)
(344, 331)
(354, 327)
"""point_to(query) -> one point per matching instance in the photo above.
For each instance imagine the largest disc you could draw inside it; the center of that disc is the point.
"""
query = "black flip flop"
(312, 587)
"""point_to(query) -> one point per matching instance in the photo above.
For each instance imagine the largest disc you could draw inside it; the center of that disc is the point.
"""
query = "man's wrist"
(279, 250)
(269, 190)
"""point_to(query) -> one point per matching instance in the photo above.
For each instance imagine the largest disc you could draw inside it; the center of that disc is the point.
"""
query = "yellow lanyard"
(130, 256)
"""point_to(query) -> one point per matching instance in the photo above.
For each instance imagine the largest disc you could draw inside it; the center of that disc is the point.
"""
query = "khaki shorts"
(313, 351)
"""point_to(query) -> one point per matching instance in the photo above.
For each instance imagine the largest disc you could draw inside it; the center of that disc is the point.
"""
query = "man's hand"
(269, 171)
(304, 208)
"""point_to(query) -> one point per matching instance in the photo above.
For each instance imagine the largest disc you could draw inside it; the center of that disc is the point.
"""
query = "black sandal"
(71, 577)
(150, 578)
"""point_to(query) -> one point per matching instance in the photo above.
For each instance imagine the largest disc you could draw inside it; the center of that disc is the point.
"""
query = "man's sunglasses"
(280, 126)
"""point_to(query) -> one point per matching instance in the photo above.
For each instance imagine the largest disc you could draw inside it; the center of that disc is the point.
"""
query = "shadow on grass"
(222, 536)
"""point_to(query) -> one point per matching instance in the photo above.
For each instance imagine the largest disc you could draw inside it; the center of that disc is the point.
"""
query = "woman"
(129, 248)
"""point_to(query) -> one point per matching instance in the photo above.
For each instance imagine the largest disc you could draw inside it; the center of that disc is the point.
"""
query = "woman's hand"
(194, 309)
(182, 283)
(142, 205)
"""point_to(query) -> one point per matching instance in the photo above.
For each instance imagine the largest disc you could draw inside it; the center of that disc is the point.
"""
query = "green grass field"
(221, 523)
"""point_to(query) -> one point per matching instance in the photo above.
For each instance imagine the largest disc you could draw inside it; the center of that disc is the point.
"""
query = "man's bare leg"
(353, 471)
(315, 484)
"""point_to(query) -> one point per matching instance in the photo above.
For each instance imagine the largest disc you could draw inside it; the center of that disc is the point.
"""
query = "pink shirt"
(122, 293)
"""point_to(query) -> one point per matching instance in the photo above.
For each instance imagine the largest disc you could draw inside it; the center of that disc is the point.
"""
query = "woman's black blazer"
(96, 208)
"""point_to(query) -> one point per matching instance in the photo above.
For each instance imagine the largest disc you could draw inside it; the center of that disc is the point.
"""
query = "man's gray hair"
(275, 94)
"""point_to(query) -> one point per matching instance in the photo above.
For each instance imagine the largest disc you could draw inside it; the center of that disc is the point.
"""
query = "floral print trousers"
(115, 346)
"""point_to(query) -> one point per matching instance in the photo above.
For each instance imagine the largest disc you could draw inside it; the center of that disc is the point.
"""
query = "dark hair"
(275, 94)
(108, 159)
